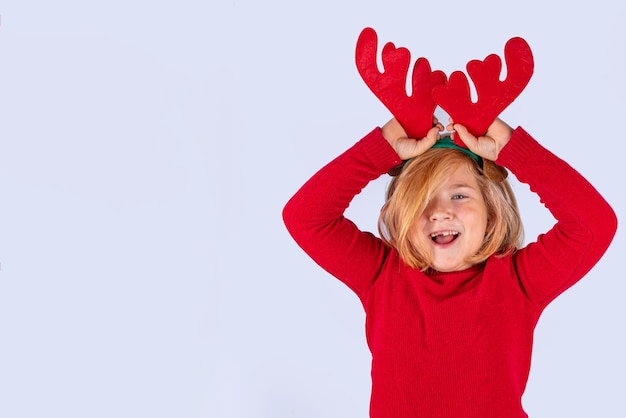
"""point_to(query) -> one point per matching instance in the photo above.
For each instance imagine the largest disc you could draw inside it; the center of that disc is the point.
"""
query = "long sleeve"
(314, 215)
(585, 224)
(455, 344)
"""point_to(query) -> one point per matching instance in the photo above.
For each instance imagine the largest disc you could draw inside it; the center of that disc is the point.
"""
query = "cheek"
(486, 220)
(417, 234)
(419, 227)
(480, 223)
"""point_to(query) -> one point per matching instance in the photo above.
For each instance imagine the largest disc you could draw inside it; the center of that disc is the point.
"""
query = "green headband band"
(443, 142)
(447, 142)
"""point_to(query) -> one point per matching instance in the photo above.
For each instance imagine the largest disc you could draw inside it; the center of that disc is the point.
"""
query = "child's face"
(454, 222)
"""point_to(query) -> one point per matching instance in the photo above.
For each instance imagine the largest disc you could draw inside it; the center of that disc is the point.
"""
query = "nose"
(439, 209)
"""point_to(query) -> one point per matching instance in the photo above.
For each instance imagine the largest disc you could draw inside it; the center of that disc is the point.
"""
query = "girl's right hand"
(406, 147)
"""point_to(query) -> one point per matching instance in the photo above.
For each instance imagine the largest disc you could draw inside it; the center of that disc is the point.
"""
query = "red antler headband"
(430, 88)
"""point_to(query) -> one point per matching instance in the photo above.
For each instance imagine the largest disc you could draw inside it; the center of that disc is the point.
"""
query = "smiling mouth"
(444, 237)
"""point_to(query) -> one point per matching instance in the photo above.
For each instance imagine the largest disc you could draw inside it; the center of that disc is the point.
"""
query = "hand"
(406, 147)
(489, 145)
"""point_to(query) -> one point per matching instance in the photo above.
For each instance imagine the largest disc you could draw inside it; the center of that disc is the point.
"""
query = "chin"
(450, 267)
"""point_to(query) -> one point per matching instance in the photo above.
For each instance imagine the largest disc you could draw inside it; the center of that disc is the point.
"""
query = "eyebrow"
(461, 186)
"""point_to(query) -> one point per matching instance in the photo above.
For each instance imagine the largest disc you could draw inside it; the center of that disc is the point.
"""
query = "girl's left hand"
(489, 145)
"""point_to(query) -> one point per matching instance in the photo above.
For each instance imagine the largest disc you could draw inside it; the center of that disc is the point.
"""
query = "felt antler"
(493, 95)
(414, 112)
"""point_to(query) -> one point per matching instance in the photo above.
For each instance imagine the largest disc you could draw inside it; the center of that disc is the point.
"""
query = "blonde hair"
(409, 193)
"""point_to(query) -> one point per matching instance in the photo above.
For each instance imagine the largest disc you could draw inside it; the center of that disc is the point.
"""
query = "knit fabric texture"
(454, 344)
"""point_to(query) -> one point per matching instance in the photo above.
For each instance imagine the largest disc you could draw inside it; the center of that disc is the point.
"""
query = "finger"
(465, 136)
(450, 125)
(431, 137)
(424, 144)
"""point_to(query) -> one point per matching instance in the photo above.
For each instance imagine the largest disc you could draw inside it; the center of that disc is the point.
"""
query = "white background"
(147, 149)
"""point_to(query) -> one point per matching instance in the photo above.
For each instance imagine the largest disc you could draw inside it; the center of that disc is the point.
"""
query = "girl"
(451, 300)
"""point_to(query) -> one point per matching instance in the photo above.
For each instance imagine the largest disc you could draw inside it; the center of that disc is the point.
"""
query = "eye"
(458, 196)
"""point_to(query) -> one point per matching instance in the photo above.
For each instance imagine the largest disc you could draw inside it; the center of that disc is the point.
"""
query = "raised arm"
(585, 224)
(314, 215)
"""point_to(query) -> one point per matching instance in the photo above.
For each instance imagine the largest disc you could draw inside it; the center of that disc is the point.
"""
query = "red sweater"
(451, 344)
